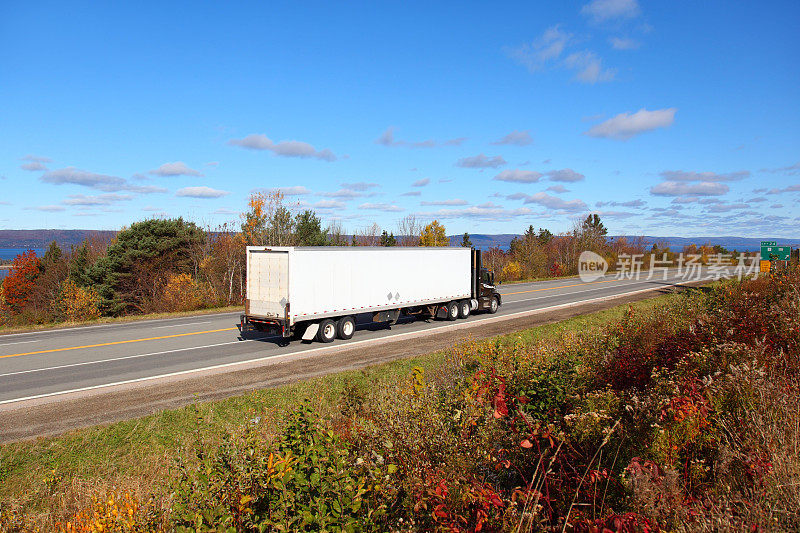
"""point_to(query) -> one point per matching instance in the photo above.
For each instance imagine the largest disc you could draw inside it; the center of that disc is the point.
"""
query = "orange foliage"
(182, 293)
(77, 303)
(113, 513)
(19, 285)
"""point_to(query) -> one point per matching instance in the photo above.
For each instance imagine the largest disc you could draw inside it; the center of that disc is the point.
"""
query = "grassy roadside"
(135, 452)
(5, 330)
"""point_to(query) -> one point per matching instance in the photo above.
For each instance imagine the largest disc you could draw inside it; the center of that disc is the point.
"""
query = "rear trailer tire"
(452, 311)
(463, 309)
(345, 327)
(494, 305)
(327, 331)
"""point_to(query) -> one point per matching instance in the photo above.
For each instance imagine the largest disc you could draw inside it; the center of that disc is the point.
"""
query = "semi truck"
(316, 292)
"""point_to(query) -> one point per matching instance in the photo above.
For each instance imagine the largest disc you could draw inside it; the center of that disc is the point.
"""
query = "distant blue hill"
(676, 244)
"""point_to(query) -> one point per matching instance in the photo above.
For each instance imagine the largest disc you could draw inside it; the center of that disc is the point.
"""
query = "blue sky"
(667, 118)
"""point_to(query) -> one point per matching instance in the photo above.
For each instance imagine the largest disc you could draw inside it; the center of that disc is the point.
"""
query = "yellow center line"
(117, 342)
(230, 329)
(561, 287)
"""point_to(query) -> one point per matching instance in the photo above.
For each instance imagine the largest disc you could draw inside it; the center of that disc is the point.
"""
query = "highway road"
(51, 363)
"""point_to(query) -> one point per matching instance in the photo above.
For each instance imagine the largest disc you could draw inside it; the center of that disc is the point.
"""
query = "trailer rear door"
(268, 282)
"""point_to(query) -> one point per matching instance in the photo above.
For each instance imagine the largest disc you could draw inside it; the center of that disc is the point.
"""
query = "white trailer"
(317, 291)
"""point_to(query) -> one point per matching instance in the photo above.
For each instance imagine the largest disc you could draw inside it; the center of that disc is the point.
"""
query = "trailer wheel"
(463, 309)
(345, 327)
(452, 310)
(327, 331)
(494, 305)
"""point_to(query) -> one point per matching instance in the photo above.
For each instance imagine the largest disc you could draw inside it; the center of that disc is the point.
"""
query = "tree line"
(171, 264)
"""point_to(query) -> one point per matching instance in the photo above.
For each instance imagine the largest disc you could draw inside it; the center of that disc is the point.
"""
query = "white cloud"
(100, 199)
(453, 202)
(790, 188)
(390, 208)
(724, 208)
(566, 175)
(421, 183)
(412, 193)
(588, 67)
(360, 186)
(518, 176)
(283, 148)
(603, 10)
(625, 125)
(542, 51)
(677, 188)
(295, 190)
(224, 211)
(201, 192)
(481, 161)
(37, 159)
(790, 170)
(680, 175)
(630, 203)
(100, 182)
(387, 139)
(178, 168)
(558, 188)
(328, 204)
(33, 166)
(47, 208)
(345, 193)
(553, 202)
(517, 138)
(621, 43)
(481, 212)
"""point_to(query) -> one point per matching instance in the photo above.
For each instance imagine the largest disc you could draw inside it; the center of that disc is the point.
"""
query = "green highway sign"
(775, 253)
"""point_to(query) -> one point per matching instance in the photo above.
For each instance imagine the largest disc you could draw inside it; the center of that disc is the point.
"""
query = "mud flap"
(311, 332)
(391, 316)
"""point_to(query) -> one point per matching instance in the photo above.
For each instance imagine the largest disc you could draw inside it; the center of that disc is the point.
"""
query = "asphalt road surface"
(48, 364)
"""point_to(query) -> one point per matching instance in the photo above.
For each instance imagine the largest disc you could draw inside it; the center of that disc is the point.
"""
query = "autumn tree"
(76, 304)
(408, 230)
(336, 236)
(433, 235)
(268, 222)
(53, 270)
(20, 283)
(224, 266)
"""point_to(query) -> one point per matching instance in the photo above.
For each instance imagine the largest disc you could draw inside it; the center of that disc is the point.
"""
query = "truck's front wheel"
(494, 305)
(327, 331)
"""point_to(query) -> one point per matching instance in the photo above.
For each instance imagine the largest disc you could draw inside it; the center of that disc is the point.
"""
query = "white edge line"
(295, 355)
(120, 358)
(126, 323)
(136, 356)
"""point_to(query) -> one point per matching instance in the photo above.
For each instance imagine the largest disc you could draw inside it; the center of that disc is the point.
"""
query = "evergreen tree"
(308, 230)
(465, 242)
(79, 266)
(388, 239)
(129, 275)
